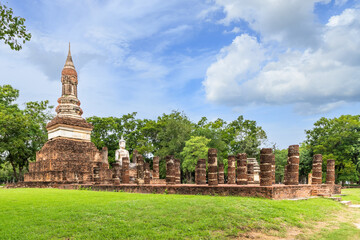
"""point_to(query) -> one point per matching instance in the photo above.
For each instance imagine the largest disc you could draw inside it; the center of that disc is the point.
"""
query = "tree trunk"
(14, 170)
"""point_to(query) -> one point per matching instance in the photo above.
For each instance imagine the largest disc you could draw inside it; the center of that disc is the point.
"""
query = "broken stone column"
(250, 173)
(116, 173)
(177, 171)
(221, 174)
(256, 169)
(266, 158)
(201, 172)
(170, 170)
(231, 169)
(273, 169)
(213, 168)
(291, 173)
(317, 169)
(155, 167)
(140, 166)
(125, 178)
(330, 171)
(147, 173)
(241, 169)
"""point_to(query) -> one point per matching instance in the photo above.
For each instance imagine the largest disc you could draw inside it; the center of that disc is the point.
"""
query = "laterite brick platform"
(277, 191)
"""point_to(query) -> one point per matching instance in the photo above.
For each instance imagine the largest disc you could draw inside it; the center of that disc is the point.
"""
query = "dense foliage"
(12, 28)
(169, 134)
(22, 131)
(339, 139)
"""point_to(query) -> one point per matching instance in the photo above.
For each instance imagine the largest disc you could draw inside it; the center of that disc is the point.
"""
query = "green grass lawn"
(75, 214)
(353, 195)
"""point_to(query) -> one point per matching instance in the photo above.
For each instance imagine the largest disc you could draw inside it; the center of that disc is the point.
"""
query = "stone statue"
(122, 152)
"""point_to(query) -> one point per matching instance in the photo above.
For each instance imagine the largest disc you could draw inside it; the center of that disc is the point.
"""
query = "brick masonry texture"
(330, 171)
(291, 175)
(271, 192)
(266, 158)
(317, 169)
(69, 161)
(241, 159)
(213, 168)
(201, 172)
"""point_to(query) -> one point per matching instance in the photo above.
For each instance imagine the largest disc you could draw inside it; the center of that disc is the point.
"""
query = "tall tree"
(281, 157)
(339, 139)
(22, 132)
(12, 29)
(195, 148)
(244, 136)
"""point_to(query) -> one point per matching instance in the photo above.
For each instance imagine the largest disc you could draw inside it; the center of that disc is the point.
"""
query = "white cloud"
(291, 22)
(314, 80)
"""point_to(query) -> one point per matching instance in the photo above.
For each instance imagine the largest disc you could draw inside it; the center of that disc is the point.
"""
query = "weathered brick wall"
(69, 161)
(271, 192)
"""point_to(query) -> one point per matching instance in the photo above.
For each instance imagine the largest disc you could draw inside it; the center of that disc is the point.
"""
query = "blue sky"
(281, 63)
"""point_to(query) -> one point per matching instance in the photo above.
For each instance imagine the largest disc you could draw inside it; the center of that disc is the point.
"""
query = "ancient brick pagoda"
(69, 156)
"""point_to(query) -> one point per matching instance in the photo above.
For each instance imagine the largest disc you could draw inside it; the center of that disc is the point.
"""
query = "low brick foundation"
(252, 190)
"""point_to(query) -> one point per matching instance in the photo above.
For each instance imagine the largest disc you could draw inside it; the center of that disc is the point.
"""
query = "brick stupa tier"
(69, 156)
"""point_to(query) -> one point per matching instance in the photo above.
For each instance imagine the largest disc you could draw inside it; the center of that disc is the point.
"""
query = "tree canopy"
(12, 29)
(338, 139)
(22, 131)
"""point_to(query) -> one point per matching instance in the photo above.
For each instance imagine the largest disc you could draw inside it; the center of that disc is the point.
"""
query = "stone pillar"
(317, 169)
(330, 171)
(250, 173)
(170, 170)
(125, 178)
(221, 174)
(155, 168)
(140, 166)
(116, 173)
(256, 170)
(201, 172)
(135, 153)
(241, 169)
(266, 158)
(231, 169)
(147, 173)
(177, 171)
(291, 173)
(213, 168)
(273, 169)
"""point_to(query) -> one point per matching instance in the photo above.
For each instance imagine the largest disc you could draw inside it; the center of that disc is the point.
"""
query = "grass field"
(75, 214)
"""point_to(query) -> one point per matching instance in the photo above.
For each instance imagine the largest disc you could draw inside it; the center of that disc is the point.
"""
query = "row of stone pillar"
(317, 170)
(122, 173)
(245, 171)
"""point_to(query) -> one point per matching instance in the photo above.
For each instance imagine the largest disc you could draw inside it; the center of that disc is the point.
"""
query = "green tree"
(195, 148)
(338, 138)
(305, 165)
(244, 136)
(12, 28)
(281, 157)
(213, 131)
(22, 132)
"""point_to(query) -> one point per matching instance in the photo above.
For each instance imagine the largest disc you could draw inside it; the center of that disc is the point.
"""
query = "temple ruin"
(70, 160)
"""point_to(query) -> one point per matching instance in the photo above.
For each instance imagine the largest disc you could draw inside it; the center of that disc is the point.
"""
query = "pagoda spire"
(69, 62)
